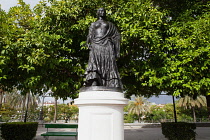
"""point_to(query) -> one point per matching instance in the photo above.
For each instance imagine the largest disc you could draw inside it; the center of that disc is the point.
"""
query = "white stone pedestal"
(101, 115)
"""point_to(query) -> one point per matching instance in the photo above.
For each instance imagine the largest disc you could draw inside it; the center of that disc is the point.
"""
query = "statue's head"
(101, 12)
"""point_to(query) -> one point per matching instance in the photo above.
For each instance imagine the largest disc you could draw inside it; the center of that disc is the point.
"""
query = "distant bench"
(52, 133)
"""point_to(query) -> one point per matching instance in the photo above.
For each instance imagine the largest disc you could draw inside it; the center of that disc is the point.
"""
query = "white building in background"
(49, 103)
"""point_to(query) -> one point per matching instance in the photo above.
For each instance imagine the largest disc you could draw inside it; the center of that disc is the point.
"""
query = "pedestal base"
(101, 115)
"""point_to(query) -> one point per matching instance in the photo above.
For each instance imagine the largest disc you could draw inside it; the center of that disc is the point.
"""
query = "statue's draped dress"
(104, 50)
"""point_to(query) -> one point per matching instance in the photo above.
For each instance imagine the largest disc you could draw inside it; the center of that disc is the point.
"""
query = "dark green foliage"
(46, 48)
(130, 118)
(179, 131)
(165, 46)
(19, 130)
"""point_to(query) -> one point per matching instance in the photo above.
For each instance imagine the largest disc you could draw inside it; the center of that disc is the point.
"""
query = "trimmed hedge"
(179, 131)
(19, 130)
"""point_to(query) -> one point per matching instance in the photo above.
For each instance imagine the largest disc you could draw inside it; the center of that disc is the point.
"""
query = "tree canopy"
(165, 45)
(185, 50)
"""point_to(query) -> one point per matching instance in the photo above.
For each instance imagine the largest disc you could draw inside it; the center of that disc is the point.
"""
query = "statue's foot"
(94, 83)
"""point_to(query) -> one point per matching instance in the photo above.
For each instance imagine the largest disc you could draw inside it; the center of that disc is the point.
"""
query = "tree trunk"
(194, 117)
(208, 105)
(174, 105)
(23, 109)
(55, 115)
(139, 120)
(27, 102)
(41, 117)
(1, 97)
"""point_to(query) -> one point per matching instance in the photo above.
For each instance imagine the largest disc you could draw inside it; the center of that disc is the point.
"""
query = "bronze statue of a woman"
(104, 43)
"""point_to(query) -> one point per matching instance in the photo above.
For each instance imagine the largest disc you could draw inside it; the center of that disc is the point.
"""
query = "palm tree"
(1, 97)
(22, 102)
(139, 107)
(189, 103)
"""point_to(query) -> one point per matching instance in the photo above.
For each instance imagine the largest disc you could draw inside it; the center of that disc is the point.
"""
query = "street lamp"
(41, 116)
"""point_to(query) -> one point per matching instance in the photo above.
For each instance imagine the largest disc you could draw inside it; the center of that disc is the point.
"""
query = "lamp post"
(41, 117)
(41, 111)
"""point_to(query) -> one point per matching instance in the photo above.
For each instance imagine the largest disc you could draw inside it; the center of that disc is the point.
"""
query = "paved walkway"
(136, 133)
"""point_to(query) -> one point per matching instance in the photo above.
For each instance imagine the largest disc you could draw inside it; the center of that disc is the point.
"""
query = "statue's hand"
(117, 56)
(89, 46)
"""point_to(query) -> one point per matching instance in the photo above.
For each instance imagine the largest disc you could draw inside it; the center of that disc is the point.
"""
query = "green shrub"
(19, 130)
(179, 131)
(47, 119)
(5, 118)
(129, 118)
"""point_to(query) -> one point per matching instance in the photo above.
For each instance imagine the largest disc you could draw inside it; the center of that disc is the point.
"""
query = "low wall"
(153, 125)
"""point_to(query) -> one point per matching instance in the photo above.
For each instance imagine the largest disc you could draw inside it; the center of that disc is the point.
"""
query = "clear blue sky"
(162, 99)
